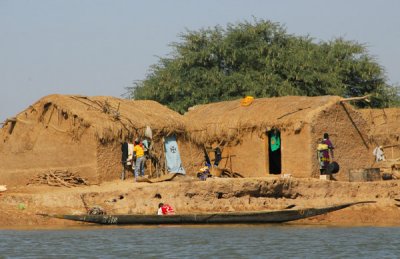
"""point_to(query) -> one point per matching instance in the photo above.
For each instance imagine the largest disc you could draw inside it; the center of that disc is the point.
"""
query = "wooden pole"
(164, 156)
(356, 98)
(227, 158)
(355, 126)
(151, 170)
(230, 162)
(391, 146)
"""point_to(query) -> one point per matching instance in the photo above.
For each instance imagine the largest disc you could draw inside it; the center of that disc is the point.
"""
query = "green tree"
(261, 59)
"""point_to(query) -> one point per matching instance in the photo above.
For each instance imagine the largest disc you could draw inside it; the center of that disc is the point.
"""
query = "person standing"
(124, 159)
(140, 159)
(325, 153)
(379, 154)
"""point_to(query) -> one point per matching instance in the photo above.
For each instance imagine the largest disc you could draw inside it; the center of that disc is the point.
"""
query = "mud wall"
(247, 157)
(33, 148)
(348, 132)
(250, 156)
(385, 129)
(297, 154)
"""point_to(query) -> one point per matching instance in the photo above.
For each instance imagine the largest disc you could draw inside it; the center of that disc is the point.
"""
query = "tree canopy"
(261, 59)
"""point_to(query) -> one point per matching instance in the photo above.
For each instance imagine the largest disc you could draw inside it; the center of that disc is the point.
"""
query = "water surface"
(229, 241)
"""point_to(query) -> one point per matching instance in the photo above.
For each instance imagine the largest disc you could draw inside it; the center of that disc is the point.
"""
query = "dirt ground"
(19, 206)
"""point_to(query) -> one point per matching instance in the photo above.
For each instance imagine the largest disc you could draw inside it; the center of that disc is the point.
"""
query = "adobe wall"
(385, 129)
(33, 148)
(348, 132)
(297, 153)
(247, 157)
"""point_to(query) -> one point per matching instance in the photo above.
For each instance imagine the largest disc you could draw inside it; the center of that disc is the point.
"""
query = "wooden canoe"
(277, 216)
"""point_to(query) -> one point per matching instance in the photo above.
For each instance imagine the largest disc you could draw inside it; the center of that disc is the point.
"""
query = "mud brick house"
(82, 134)
(244, 133)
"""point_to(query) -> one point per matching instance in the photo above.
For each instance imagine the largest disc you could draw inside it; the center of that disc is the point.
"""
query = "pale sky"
(99, 47)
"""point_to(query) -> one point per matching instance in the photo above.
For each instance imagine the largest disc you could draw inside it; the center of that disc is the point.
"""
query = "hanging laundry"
(146, 144)
(275, 141)
(148, 132)
(206, 157)
(130, 154)
(218, 156)
(124, 150)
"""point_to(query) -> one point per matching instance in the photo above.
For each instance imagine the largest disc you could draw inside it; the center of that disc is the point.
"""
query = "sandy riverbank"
(20, 205)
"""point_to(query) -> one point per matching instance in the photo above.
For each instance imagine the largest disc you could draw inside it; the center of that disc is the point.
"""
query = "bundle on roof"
(229, 120)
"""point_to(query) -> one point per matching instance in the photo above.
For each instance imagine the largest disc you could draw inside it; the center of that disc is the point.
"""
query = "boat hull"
(208, 218)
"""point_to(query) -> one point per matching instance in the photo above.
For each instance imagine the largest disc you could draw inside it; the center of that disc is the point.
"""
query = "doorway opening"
(274, 151)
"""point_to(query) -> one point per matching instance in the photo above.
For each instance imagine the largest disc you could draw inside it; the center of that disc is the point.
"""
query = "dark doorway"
(274, 151)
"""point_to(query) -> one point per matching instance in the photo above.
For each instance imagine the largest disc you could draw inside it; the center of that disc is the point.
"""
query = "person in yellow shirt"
(140, 158)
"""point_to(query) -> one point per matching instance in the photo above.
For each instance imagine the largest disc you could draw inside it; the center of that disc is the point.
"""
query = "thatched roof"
(110, 118)
(227, 120)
